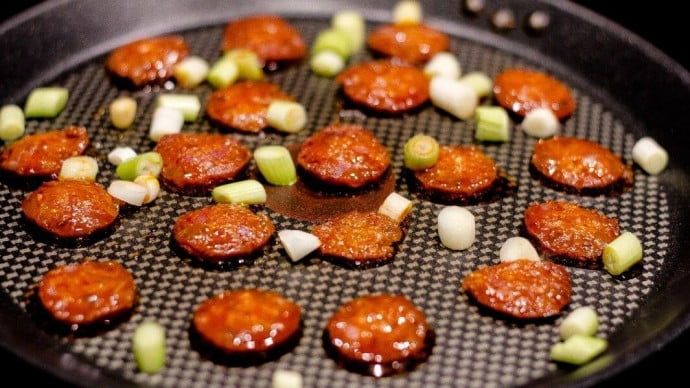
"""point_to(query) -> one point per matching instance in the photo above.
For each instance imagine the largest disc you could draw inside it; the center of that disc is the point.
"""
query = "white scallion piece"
(223, 73)
(479, 82)
(248, 63)
(166, 121)
(327, 64)
(149, 163)
(11, 123)
(123, 110)
(247, 192)
(622, 253)
(120, 154)
(128, 192)
(352, 24)
(582, 321)
(650, 155)
(332, 40)
(276, 165)
(152, 187)
(286, 379)
(407, 12)
(188, 104)
(395, 207)
(80, 168)
(493, 124)
(541, 122)
(443, 64)
(453, 96)
(516, 248)
(456, 228)
(191, 71)
(578, 349)
(46, 102)
(298, 244)
(148, 345)
(286, 116)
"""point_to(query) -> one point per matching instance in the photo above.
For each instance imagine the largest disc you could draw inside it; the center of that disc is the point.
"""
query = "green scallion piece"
(149, 163)
(248, 192)
(188, 104)
(223, 73)
(276, 165)
(123, 111)
(286, 116)
(46, 102)
(493, 124)
(327, 64)
(622, 253)
(148, 344)
(578, 349)
(11, 122)
(421, 152)
(248, 63)
(332, 40)
(582, 320)
(352, 24)
(479, 82)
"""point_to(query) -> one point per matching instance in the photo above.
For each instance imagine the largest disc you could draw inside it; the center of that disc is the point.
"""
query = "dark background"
(658, 22)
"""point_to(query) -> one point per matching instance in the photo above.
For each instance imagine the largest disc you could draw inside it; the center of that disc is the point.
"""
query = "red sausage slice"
(195, 162)
(270, 37)
(579, 164)
(385, 87)
(148, 61)
(387, 331)
(344, 155)
(71, 209)
(520, 91)
(42, 154)
(411, 43)
(244, 105)
(222, 232)
(568, 230)
(247, 321)
(523, 289)
(87, 293)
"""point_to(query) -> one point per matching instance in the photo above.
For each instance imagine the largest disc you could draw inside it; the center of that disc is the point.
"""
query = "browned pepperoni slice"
(195, 162)
(361, 239)
(520, 91)
(344, 155)
(71, 209)
(568, 230)
(42, 154)
(411, 43)
(87, 293)
(385, 87)
(461, 172)
(522, 289)
(380, 334)
(244, 105)
(270, 37)
(148, 60)
(579, 164)
(247, 321)
(222, 232)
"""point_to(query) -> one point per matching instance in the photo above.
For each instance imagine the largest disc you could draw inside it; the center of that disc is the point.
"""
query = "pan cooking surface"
(473, 348)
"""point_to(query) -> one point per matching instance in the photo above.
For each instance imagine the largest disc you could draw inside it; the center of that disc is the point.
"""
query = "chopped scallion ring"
(149, 163)
(479, 82)
(46, 102)
(453, 96)
(286, 379)
(421, 152)
(456, 227)
(352, 24)
(166, 121)
(582, 321)
(79, 168)
(286, 116)
(223, 73)
(407, 12)
(517, 248)
(188, 104)
(578, 349)
(123, 111)
(443, 64)
(152, 187)
(128, 192)
(541, 122)
(395, 207)
(493, 124)
(298, 244)
(650, 155)
(11, 123)
(120, 154)
(622, 253)
(327, 64)
(191, 71)
(148, 345)
(276, 165)
(248, 64)
(247, 192)
(332, 40)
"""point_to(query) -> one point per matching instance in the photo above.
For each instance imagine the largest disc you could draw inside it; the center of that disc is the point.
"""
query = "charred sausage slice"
(410, 43)
(270, 37)
(521, 90)
(149, 60)
(244, 105)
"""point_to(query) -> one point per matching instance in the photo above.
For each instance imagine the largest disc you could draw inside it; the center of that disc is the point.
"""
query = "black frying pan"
(636, 82)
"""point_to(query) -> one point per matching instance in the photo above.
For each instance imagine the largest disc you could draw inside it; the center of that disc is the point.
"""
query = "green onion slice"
(352, 24)
(421, 152)
(276, 165)
(223, 73)
(332, 40)
(188, 104)
(248, 63)
(286, 116)
(148, 345)
(327, 64)
(622, 253)
(123, 110)
(149, 163)
(247, 192)
(493, 124)
(578, 349)
(46, 102)
(11, 122)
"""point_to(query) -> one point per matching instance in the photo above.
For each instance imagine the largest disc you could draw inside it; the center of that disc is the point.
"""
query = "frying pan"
(625, 89)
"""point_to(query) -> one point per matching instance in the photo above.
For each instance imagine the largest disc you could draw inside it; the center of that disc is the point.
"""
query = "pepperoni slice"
(520, 91)
(42, 154)
(195, 162)
(568, 230)
(244, 105)
(410, 43)
(523, 289)
(380, 334)
(270, 37)
(222, 232)
(71, 209)
(87, 293)
(148, 61)
(385, 87)
(247, 321)
(461, 172)
(344, 155)
(579, 164)
(360, 239)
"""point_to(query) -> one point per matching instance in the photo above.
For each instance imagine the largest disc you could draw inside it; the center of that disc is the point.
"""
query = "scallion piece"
(298, 244)
(407, 12)
(149, 163)
(650, 155)
(395, 207)
(286, 379)
(327, 64)
(493, 124)
(541, 122)
(443, 64)
(11, 123)
(123, 110)
(453, 96)
(128, 192)
(276, 165)
(79, 168)
(150, 183)
(46, 102)
(248, 192)
(352, 24)
(332, 40)
(286, 116)
(248, 63)
(456, 227)
(517, 248)
(191, 71)
(188, 104)
(148, 344)
(120, 154)
(582, 321)
(421, 152)
(166, 121)
(622, 253)
(479, 82)
(223, 73)
(578, 349)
